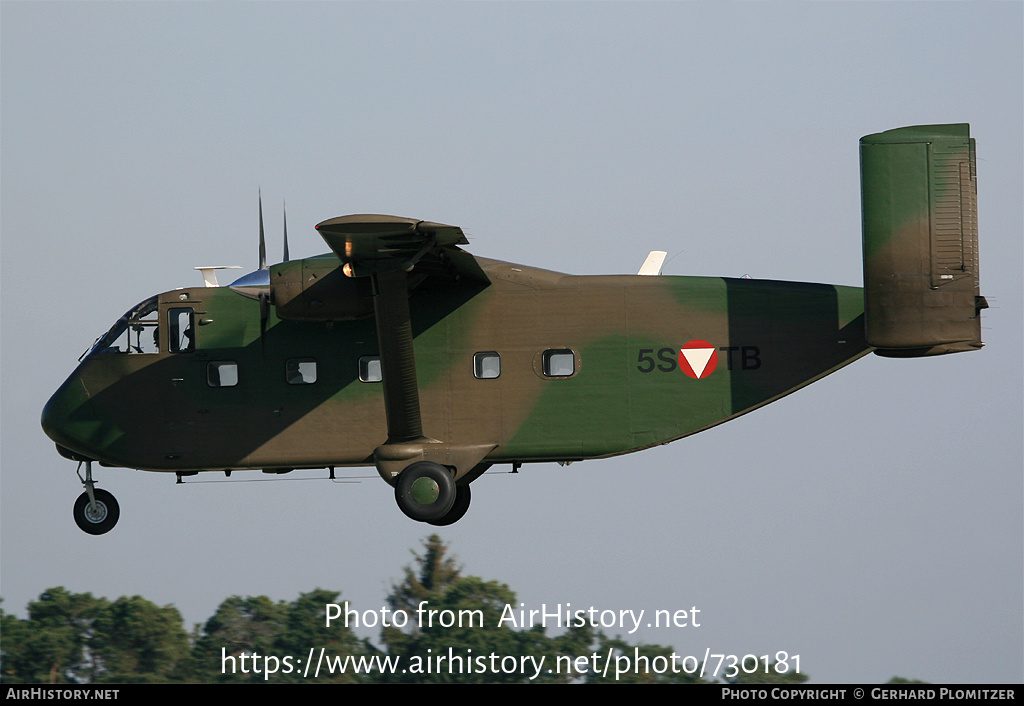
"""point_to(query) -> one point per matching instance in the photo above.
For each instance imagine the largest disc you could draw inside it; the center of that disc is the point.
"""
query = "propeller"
(285, 211)
(256, 284)
(263, 242)
(264, 295)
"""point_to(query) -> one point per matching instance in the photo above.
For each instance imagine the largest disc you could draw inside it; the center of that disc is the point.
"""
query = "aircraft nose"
(62, 417)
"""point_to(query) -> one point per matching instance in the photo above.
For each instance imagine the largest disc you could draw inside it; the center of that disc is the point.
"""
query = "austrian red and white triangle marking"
(698, 359)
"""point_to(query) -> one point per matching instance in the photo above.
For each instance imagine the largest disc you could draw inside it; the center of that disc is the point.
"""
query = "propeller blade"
(285, 231)
(263, 243)
(264, 299)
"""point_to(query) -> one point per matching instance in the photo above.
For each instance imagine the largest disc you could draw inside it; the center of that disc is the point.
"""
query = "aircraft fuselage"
(541, 365)
(404, 352)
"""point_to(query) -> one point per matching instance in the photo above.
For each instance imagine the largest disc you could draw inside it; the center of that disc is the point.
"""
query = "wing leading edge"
(368, 244)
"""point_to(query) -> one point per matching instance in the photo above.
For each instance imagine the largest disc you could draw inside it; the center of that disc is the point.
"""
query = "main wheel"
(425, 491)
(99, 518)
(459, 507)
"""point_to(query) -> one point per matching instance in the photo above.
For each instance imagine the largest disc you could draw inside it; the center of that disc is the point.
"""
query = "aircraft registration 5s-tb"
(402, 351)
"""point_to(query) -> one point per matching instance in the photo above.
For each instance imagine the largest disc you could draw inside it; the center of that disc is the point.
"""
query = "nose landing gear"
(96, 510)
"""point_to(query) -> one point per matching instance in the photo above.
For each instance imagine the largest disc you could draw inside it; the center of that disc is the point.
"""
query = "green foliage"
(76, 638)
(242, 626)
(436, 573)
(453, 632)
(261, 631)
(137, 641)
(453, 628)
(57, 635)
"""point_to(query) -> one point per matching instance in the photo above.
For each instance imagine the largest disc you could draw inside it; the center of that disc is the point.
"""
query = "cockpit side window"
(135, 332)
(181, 337)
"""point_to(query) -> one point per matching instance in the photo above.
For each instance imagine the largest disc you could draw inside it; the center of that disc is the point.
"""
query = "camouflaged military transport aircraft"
(402, 351)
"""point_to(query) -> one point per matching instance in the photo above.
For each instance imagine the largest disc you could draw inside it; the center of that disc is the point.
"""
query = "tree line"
(79, 638)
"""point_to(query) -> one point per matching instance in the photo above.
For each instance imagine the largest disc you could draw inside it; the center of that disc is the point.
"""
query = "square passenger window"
(487, 365)
(300, 371)
(369, 368)
(559, 363)
(222, 373)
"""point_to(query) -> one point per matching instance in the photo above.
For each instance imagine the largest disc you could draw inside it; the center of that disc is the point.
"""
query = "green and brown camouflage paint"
(631, 387)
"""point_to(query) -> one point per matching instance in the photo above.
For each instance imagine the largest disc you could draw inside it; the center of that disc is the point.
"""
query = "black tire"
(102, 518)
(459, 507)
(425, 491)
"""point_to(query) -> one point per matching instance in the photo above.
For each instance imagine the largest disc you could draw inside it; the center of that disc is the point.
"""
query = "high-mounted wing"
(368, 244)
(388, 249)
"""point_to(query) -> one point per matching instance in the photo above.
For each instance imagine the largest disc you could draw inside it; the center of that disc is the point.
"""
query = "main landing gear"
(425, 491)
(96, 510)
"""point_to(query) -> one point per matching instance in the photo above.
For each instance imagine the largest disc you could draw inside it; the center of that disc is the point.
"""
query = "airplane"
(401, 350)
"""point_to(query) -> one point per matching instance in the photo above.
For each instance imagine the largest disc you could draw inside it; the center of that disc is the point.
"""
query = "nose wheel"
(96, 510)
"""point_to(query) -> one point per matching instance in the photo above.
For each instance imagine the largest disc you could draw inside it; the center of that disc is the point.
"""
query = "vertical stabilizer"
(652, 265)
(920, 219)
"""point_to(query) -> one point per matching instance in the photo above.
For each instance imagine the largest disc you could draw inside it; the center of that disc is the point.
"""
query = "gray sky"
(871, 523)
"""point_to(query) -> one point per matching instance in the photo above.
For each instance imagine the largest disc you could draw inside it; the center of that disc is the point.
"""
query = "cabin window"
(369, 369)
(487, 365)
(222, 373)
(559, 363)
(300, 371)
(135, 332)
(181, 337)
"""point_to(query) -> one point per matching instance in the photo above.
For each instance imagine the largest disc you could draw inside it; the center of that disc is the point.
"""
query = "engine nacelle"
(316, 289)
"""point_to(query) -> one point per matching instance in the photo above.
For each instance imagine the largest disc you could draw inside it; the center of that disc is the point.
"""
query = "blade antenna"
(285, 210)
(263, 243)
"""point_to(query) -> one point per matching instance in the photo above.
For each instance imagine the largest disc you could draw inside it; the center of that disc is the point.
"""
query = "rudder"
(920, 221)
